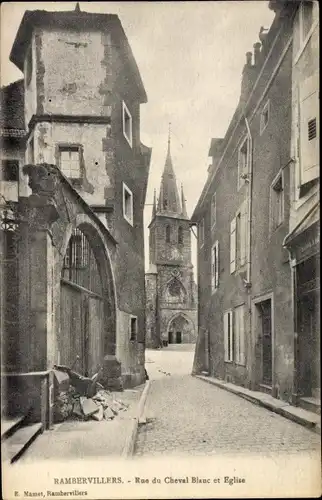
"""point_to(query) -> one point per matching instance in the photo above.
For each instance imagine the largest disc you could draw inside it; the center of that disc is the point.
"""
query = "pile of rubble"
(82, 398)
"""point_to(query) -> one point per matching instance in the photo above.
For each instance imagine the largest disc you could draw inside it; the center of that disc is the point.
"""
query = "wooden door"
(266, 316)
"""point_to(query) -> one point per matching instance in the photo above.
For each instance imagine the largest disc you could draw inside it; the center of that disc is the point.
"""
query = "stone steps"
(18, 438)
(311, 404)
(9, 425)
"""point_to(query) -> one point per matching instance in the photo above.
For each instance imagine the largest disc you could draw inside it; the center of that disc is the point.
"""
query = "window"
(165, 204)
(127, 124)
(243, 155)
(78, 253)
(69, 161)
(213, 210)
(215, 267)
(228, 336)
(264, 117)
(31, 151)
(127, 204)
(168, 234)
(10, 170)
(201, 232)
(28, 66)
(238, 238)
(239, 335)
(277, 202)
(180, 235)
(309, 154)
(133, 328)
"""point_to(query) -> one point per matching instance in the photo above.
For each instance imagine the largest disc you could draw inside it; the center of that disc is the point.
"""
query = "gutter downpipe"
(249, 239)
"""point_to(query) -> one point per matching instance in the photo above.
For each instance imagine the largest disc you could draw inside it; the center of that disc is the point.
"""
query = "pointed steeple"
(154, 207)
(183, 203)
(169, 200)
(77, 7)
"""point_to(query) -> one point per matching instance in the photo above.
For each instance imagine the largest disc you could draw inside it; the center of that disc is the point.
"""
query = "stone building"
(77, 208)
(171, 307)
(303, 238)
(244, 217)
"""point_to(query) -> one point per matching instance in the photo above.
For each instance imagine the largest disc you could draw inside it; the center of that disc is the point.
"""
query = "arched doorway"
(180, 330)
(87, 309)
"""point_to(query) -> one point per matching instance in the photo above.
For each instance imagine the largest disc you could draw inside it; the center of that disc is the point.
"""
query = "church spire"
(183, 203)
(154, 207)
(169, 200)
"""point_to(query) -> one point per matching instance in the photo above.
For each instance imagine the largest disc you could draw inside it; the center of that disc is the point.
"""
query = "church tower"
(171, 312)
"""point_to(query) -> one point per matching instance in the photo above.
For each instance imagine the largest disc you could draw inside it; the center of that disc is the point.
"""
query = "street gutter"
(140, 418)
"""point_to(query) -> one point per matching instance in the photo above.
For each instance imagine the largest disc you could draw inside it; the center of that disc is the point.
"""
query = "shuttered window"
(309, 129)
(238, 238)
(228, 335)
(243, 162)
(213, 210)
(215, 266)
(201, 232)
(233, 245)
(239, 334)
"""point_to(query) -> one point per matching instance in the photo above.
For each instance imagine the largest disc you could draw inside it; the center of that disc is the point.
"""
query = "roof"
(12, 119)
(73, 20)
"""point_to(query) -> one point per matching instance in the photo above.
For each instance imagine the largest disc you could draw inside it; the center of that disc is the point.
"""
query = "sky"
(190, 56)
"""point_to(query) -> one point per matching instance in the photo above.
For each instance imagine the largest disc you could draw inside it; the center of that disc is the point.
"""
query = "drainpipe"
(250, 189)
(247, 283)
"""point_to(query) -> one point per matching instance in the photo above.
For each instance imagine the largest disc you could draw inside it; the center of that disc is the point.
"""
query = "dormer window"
(127, 124)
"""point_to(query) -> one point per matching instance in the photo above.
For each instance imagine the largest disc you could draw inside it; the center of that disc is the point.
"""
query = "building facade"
(245, 292)
(302, 241)
(171, 308)
(80, 202)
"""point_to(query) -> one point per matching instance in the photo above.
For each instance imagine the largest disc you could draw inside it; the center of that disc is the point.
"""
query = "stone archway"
(94, 301)
(180, 329)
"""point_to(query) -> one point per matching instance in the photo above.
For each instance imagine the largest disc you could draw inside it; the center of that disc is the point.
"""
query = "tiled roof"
(12, 120)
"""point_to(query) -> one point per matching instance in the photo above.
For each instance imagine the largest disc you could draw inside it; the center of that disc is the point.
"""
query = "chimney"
(248, 78)
(257, 53)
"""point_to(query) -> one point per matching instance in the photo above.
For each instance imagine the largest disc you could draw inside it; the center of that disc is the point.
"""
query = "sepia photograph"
(160, 249)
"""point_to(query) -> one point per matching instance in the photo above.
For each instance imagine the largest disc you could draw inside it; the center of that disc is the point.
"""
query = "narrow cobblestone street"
(188, 416)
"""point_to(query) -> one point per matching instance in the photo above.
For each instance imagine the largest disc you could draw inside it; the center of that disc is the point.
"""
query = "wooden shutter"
(242, 335)
(226, 336)
(217, 264)
(236, 335)
(231, 336)
(213, 268)
(243, 232)
(233, 245)
(309, 129)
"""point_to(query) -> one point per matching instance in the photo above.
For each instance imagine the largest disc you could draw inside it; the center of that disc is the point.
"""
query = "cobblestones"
(189, 416)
